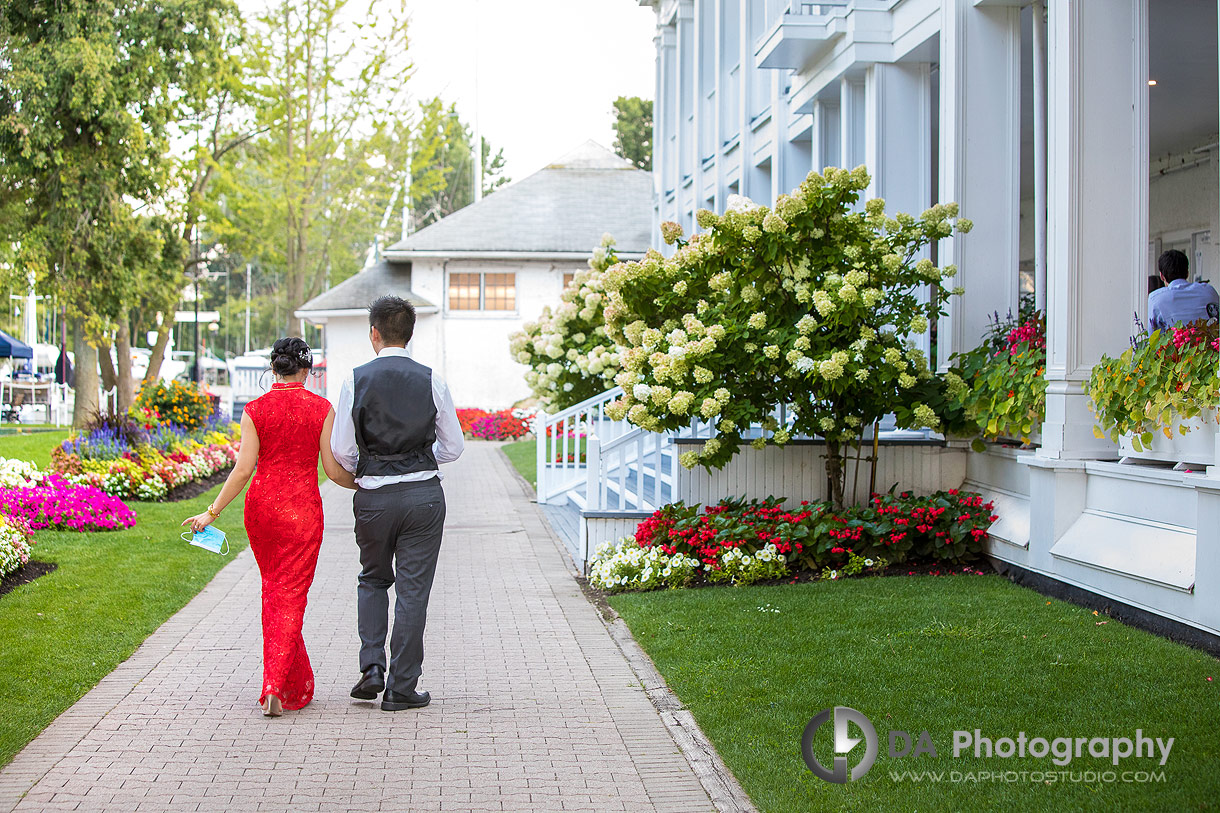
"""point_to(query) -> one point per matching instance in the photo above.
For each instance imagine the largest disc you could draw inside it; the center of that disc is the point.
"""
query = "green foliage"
(89, 95)
(1162, 381)
(569, 354)
(183, 405)
(1000, 385)
(633, 130)
(442, 175)
(812, 305)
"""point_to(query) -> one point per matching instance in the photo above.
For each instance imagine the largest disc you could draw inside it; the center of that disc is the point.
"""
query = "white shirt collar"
(394, 351)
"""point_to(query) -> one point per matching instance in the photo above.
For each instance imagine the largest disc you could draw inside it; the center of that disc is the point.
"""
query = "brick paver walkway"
(534, 706)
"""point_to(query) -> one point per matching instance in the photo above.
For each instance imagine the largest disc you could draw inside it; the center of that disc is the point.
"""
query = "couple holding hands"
(395, 422)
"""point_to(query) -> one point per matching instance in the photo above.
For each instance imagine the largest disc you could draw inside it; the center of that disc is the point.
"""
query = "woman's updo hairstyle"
(289, 356)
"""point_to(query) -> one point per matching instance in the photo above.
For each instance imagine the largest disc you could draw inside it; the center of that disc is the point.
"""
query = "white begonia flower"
(568, 387)
(722, 395)
(710, 408)
(906, 381)
(703, 375)
(919, 324)
(677, 351)
(689, 459)
(720, 281)
(554, 351)
(806, 325)
(641, 392)
(803, 364)
(771, 351)
(757, 320)
(680, 287)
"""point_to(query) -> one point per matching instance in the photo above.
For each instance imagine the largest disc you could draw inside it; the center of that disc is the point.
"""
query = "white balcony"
(799, 33)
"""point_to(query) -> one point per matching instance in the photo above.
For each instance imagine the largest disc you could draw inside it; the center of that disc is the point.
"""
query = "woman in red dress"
(283, 432)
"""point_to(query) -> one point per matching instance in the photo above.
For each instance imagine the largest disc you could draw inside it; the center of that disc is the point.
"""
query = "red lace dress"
(284, 522)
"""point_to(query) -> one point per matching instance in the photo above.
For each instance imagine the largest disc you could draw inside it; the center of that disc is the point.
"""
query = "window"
(464, 292)
(482, 292)
(499, 292)
(567, 280)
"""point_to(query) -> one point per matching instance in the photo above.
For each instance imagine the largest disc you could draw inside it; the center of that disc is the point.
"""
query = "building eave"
(408, 255)
(320, 316)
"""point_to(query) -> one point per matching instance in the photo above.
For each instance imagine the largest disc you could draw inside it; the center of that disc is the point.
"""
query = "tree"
(809, 306)
(305, 196)
(89, 91)
(633, 130)
(442, 177)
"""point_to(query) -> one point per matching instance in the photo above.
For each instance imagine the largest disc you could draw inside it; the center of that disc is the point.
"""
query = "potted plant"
(1158, 399)
(1001, 384)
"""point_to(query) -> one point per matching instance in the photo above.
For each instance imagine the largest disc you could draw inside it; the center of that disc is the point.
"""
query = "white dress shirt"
(447, 448)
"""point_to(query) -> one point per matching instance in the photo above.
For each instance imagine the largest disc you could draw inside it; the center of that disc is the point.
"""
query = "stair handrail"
(558, 463)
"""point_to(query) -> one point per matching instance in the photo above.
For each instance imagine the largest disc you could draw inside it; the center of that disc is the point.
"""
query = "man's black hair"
(394, 318)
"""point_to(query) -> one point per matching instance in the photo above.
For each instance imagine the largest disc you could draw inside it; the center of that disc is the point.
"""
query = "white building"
(1080, 136)
(479, 274)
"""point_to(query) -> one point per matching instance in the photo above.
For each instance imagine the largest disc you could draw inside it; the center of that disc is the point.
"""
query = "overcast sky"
(548, 70)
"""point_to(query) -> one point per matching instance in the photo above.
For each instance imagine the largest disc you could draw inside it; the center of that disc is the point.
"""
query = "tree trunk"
(158, 352)
(86, 405)
(106, 363)
(122, 349)
(835, 471)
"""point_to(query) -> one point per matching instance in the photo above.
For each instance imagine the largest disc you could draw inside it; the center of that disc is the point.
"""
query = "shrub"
(811, 304)
(741, 542)
(184, 405)
(15, 543)
(567, 350)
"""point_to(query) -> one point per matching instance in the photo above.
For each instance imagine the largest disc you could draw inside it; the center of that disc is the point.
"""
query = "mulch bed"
(25, 574)
(189, 491)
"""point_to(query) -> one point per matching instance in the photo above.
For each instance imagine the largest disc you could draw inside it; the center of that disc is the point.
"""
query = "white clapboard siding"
(798, 472)
(598, 529)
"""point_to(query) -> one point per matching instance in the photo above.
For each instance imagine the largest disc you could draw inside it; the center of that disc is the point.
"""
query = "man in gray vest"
(394, 423)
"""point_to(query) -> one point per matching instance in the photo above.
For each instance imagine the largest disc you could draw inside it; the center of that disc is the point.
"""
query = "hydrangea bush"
(811, 304)
(15, 542)
(567, 350)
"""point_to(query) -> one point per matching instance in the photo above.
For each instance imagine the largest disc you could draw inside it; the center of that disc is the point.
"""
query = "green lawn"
(62, 633)
(523, 455)
(33, 446)
(941, 654)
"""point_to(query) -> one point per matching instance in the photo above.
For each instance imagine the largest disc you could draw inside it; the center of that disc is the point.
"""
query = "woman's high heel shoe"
(272, 707)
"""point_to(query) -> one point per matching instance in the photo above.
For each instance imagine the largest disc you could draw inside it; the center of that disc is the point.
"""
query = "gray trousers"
(398, 529)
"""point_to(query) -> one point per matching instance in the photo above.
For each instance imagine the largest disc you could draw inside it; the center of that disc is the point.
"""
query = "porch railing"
(563, 442)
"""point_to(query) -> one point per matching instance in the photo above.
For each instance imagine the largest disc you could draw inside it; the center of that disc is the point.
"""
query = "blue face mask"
(209, 538)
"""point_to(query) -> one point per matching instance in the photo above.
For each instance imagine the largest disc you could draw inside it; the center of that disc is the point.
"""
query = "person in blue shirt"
(1180, 301)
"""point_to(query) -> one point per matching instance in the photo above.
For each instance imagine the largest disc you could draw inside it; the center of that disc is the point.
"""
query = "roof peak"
(591, 155)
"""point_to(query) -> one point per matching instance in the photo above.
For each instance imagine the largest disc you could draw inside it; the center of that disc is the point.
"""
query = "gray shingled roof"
(360, 290)
(564, 207)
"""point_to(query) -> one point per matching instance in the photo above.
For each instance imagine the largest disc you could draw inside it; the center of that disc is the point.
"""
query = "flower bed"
(15, 542)
(506, 424)
(740, 542)
(142, 457)
(467, 417)
(56, 503)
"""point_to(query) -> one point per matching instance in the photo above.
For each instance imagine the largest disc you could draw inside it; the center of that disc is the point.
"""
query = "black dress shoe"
(393, 701)
(371, 684)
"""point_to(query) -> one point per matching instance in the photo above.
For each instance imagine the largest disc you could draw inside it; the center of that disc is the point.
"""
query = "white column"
(851, 122)
(898, 141)
(1097, 204)
(980, 164)
(665, 167)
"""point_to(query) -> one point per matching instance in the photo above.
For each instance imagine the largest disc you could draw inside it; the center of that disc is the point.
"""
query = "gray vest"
(395, 417)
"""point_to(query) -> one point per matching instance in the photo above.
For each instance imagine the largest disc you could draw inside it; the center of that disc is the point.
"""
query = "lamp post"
(195, 372)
